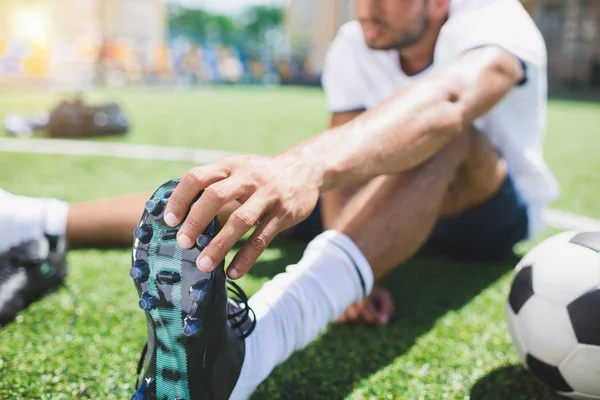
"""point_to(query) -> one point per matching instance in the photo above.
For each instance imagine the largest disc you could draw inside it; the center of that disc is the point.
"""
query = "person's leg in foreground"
(383, 225)
(378, 229)
(29, 225)
(32, 260)
(34, 236)
(25, 218)
(372, 235)
(100, 223)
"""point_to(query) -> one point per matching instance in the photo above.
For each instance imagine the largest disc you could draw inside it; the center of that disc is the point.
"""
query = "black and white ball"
(553, 313)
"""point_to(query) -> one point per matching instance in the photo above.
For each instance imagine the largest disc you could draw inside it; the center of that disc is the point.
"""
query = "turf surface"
(447, 340)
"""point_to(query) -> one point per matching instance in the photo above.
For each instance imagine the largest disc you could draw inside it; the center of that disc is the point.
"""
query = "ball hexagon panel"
(547, 373)
(521, 289)
(581, 370)
(546, 330)
(591, 240)
(511, 319)
(564, 274)
(584, 313)
(579, 396)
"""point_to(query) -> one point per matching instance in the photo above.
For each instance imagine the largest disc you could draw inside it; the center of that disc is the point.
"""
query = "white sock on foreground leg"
(296, 306)
(27, 218)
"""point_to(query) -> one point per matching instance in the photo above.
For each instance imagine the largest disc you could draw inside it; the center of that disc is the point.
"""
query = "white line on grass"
(556, 218)
(118, 150)
(568, 221)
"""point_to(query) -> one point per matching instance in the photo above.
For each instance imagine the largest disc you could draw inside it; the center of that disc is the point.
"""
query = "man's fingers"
(254, 246)
(237, 225)
(206, 208)
(194, 181)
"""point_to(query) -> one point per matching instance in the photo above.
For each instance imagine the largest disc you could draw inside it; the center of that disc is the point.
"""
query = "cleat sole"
(187, 312)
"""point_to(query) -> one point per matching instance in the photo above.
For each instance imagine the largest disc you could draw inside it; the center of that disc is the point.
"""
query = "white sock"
(27, 218)
(296, 306)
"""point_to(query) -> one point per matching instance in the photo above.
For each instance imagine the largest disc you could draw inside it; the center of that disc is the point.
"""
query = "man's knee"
(478, 176)
(334, 201)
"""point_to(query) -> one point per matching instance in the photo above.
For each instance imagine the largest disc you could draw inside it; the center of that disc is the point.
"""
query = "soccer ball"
(553, 313)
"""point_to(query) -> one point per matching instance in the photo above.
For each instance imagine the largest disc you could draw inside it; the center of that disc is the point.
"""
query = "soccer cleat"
(140, 271)
(196, 333)
(28, 272)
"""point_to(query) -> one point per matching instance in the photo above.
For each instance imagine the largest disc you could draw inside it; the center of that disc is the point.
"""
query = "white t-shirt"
(356, 77)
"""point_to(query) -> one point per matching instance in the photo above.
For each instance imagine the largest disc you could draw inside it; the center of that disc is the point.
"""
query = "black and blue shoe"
(29, 272)
(196, 332)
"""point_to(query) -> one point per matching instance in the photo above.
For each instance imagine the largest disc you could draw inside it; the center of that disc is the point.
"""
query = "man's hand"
(275, 193)
(375, 309)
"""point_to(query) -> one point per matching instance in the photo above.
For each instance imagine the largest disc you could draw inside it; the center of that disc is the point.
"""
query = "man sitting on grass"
(438, 118)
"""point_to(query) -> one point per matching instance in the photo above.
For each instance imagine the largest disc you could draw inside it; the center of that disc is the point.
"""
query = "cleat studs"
(211, 229)
(147, 302)
(143, 233)
(202, 241)
(154, 207)
(193, 309)
(140, 271)
(168, 277)
(169, 235)
(199, 291)
(167, 195)
(191, 327)
(197, 295)
(138, 395)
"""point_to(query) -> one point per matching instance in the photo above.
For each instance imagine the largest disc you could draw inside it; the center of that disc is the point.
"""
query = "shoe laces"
(141, 365)
(240, 317)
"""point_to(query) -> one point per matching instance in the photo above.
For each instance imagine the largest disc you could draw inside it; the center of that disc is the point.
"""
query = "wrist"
(307, 165)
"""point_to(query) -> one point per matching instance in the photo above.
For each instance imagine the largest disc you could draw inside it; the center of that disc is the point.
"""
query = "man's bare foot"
(376, 309)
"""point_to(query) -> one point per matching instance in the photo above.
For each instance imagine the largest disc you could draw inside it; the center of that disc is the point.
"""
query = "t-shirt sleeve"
(504, 23)
(342, 79)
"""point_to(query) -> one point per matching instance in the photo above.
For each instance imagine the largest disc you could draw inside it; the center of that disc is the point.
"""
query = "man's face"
(392, 24)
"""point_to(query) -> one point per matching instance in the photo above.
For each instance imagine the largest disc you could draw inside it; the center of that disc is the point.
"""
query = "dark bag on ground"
(77, 119)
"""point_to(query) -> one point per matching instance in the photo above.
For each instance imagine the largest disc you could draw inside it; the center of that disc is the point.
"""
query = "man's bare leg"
(381, 226)
(105, 223)
(110, 222)
(391, 217)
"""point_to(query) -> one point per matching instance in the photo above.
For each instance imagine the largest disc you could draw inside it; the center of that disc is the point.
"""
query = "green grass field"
(448, 339)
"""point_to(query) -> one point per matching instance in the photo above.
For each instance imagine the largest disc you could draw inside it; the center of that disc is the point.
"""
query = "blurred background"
(77, 45)
(190, 80)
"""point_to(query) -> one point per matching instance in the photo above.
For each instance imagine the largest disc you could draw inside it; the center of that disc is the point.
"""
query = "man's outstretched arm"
(279, 191)
(416, 123)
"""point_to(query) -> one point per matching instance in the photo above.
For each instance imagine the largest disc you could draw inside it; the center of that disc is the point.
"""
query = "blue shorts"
(487, 232)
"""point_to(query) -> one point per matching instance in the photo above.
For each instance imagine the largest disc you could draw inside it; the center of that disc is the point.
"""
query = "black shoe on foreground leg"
(28, 272)
(196, 333)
